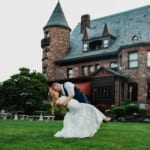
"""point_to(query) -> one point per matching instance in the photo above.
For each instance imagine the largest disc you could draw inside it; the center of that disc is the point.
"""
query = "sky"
(22, 22)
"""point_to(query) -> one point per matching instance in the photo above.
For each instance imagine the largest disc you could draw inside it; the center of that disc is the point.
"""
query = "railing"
(45, 42)
(6, 116)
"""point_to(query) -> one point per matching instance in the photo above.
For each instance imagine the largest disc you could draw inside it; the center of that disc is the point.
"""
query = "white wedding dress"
(82, 120)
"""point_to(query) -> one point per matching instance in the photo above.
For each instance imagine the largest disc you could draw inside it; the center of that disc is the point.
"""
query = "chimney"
(85, 22)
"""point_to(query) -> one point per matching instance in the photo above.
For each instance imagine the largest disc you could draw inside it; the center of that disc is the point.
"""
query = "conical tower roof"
(57, 18)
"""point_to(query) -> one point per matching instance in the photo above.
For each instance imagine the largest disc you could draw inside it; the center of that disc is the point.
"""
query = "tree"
(24, 91)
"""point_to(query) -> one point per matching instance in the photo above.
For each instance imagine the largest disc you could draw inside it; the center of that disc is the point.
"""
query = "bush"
(119, 111)
(127, 102)
(46, 108)
(108, 112)
(128, 112)
(60, 112)
(131, 108)
(142, 111)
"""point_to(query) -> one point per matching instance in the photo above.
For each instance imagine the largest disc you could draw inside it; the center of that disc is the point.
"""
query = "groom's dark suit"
(78, 94)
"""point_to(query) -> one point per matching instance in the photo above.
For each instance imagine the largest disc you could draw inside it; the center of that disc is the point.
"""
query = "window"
(92, 69)
(133, 60)
(105, 44)
(45, 54)
(114, 65)
(85, 71)
(134, 38)
(85, 47)
(47, 34)
(70, 73)
(97, 66)
(148, 58)
(95, 45)
(102, 94)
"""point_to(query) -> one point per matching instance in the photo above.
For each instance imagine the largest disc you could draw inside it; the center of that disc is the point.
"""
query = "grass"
(36, 135)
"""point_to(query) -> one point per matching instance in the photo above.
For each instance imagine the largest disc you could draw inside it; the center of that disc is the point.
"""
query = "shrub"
(142, 111)
(108, 112)
(46, 108)
(126, 102)
(60, 112)
(119, 111)
(131, 108)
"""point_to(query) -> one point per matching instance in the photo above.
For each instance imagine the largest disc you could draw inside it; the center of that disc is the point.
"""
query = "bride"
(82, 120)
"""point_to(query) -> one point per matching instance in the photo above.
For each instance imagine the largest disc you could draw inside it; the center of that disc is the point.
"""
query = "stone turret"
(55, 43)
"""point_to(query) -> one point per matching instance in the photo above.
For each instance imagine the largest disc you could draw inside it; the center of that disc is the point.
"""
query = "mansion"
(108, 57)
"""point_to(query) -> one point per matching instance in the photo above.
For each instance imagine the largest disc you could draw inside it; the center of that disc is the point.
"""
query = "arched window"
(135, 38)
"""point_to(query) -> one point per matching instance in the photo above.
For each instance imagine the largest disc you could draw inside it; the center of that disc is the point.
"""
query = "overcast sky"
(22, 22)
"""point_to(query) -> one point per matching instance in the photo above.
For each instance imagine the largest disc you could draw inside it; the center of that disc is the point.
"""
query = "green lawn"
(36, 135)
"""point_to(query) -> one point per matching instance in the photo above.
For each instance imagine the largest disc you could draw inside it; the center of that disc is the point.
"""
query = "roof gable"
(107, 72)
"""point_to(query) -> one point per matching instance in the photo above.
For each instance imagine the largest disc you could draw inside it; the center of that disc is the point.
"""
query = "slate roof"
(57, 18)
(122, 25)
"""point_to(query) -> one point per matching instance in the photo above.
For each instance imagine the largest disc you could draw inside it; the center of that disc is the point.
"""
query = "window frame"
(133, 60)
(85, 47)
(83, 72)
(46, 34)
(70, 75)
(105, 45)
(148, 58)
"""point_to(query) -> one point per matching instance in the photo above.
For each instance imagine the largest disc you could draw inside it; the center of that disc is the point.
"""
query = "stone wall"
(139, 74)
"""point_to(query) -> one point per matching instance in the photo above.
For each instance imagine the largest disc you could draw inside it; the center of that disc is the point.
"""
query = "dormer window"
(106, 43)
(95, 45)
(135, 38)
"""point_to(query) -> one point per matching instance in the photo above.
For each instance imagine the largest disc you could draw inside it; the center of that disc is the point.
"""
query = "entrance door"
(103, 90)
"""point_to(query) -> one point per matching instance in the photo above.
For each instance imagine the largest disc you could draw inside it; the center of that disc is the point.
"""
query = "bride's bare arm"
(68, 98)
(59, 102)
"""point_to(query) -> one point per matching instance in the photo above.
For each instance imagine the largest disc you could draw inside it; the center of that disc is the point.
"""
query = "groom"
(70, 90)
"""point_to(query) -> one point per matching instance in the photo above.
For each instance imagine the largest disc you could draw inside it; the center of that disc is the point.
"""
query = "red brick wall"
(59, 45)
(140, 74)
